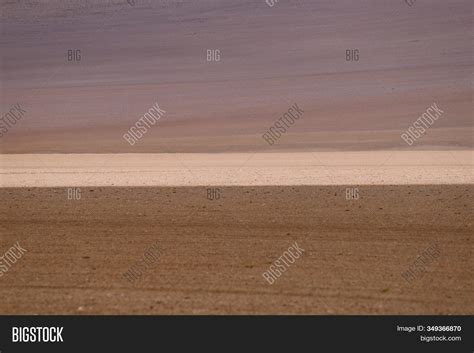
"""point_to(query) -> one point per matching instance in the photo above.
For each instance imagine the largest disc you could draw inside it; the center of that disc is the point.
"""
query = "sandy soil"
(132, 57)
(213, 253)
(301, 168)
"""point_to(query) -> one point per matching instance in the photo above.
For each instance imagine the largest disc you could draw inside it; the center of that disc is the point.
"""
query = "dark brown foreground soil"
(213, 252)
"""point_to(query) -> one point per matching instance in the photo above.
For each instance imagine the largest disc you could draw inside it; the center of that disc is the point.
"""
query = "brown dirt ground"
(213, 253)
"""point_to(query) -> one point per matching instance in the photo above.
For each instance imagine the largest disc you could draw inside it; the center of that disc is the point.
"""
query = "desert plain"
(205, 188)
(220, 221)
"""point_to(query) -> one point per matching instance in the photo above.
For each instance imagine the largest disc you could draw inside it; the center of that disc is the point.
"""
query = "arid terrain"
(213, 252)
(205, 184)
(238, 169)
(270, 58)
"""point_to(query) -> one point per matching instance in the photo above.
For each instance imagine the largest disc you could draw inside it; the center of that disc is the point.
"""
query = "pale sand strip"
(305, 168)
